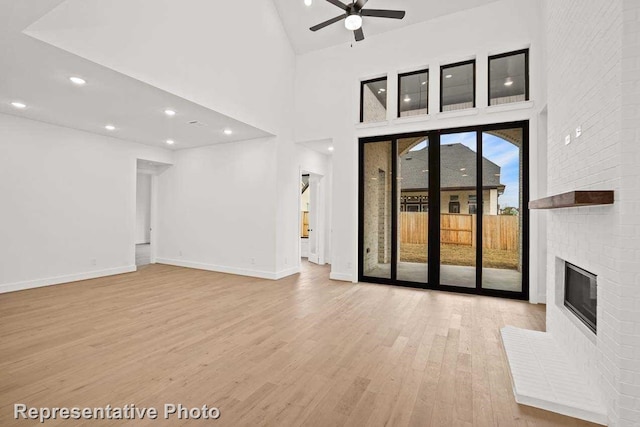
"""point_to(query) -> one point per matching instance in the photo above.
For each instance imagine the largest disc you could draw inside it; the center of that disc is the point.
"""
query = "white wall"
(69, 203)
(603, 38)
(327, 97)
(217, 209)
(243, 71)
(143, 208)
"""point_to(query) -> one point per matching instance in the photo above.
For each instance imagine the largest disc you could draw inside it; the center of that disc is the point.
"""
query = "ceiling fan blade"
(339, 4)
(361, 3)
(377, 13)
(327, 23)
(359, 34)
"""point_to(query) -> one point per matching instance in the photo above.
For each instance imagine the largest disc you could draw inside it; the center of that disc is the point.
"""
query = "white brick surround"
(594, 82)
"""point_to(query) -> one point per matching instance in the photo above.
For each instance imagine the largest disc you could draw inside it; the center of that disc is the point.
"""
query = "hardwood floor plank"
(302, 351)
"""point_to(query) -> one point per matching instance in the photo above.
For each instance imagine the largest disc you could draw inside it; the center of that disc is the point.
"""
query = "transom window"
(413, 93)
(373, 100)
(509, 77)
(458, 86)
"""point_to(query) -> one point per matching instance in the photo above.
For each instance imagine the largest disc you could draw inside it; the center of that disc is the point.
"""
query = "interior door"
(314, 224)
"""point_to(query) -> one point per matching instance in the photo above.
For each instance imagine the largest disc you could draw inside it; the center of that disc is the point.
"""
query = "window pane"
(374, 101)
(507, 79)
(458, 87)
(501, 209)
(413, 94)
(377, 209)
(458, 166)
(413, 220)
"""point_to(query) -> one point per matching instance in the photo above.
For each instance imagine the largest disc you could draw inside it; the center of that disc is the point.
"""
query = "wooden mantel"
(573, 199)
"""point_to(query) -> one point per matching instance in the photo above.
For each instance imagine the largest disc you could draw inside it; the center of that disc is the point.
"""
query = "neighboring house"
(457, 180)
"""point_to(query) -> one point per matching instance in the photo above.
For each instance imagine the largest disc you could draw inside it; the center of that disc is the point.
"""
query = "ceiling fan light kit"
(353, 22)
(353, 13)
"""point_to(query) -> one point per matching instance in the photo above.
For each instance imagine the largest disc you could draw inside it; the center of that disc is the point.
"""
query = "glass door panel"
(458, 209)
(413, 209)
(502, 227)
(377, 219)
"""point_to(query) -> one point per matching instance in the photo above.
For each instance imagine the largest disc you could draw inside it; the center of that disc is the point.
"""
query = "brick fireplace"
(593, 91)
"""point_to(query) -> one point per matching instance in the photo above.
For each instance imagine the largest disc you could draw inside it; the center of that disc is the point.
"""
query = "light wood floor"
(301, 351)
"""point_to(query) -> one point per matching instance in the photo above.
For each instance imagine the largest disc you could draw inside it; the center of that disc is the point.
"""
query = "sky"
(499, 151)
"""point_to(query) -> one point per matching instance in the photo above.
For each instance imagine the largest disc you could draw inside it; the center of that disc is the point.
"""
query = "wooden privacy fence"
(498, 231)
(304, 232)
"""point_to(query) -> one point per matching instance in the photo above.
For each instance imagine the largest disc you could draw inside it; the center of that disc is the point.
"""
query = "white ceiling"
(298, 18)
(37, 74)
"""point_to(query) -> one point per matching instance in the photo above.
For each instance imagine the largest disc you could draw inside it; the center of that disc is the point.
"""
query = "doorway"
(147, 173)
(447, 210)
(311, 218)
(143, 218)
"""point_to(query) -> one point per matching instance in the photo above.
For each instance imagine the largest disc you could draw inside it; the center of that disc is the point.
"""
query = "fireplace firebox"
(580, 294)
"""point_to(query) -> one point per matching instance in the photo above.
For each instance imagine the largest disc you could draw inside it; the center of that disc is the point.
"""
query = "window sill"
(524, 105)
(458, 113)
(372, 125)
(411, 119)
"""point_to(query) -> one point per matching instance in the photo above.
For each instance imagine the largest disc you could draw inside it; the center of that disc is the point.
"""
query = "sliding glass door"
(503, 208)
(458, 209)
(412, 157)
(446, 210)
(376, 213)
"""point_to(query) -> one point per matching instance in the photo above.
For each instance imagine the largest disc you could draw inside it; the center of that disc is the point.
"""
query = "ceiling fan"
(353, 14)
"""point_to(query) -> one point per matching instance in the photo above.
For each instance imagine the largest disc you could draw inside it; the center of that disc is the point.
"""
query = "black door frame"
(434, 205)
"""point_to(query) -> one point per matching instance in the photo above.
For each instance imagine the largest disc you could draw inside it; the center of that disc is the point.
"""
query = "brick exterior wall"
(593, 82)
(373, 110)
(377, 204)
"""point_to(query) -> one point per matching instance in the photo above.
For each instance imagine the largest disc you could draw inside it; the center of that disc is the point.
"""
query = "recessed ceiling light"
(170, 141)
(110, 127)
(330, 148)
(77, 80)
(464, 174)
(170, 113)
(308, 2)
(19, 105)
(407, 99)
(463, 169)
(383, 90)
(448, 76)
(423, 83)
(508, 81)
(228, 131)
(425, 170)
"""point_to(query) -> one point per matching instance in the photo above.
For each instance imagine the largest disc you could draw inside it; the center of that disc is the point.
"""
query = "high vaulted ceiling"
(37, 74)
(44, 42)
(298, 18)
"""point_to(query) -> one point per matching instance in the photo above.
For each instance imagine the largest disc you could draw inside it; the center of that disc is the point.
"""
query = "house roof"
(457, 160)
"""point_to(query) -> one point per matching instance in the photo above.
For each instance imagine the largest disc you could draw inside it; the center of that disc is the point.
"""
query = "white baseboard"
(343, 277)
(38, 283)
(223, 269)
(288, 272)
